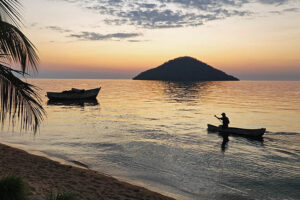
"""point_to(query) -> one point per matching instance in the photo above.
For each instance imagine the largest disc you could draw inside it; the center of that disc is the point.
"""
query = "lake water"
(153, 134)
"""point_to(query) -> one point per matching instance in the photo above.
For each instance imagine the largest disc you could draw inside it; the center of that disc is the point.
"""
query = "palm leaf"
(17, 46)
(19, 101)
(10, 9)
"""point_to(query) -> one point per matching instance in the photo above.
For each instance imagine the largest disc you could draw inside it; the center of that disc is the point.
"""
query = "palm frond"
(17, 46)
(10, 9)
(19, 101)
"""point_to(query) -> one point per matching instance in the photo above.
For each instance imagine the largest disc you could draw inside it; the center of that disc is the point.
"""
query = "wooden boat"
(255, 133)
(74, 94)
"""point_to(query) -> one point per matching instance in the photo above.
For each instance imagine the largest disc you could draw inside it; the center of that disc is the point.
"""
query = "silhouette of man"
(224, 119)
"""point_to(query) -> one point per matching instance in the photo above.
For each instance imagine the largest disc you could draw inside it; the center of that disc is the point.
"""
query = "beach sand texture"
(44, 175)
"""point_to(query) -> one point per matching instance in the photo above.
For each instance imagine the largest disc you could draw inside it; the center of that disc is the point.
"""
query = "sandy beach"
(44, 175)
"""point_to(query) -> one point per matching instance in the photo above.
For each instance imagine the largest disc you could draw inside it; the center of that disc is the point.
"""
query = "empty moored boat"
(74, 94)
(257, 133)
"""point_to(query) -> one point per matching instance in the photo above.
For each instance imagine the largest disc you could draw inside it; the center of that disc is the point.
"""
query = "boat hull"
(84, 95)
(256, 133)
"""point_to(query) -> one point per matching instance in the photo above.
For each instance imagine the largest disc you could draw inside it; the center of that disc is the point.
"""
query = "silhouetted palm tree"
(18, 99)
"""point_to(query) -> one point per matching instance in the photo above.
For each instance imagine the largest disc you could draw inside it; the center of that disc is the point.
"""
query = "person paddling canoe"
(224, 119)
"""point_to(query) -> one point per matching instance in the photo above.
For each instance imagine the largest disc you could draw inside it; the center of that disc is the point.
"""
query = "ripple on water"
(154, 133)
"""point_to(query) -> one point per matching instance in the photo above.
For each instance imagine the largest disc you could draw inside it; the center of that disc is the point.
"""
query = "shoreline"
(44, 175)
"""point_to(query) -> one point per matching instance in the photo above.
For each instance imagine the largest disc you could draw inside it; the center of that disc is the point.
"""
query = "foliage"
(13, 188)
(17, 47)
(18, 100)
(10, 10)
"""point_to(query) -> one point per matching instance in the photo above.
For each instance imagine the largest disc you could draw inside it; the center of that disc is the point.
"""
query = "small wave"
(79, 164)
(159, 136)
(104, 146)
(151, 119)
(282, 133)
(101, 144)
(225, 196)
(286, 153)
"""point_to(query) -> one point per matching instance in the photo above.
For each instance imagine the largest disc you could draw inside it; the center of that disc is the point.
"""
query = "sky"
(250, 39)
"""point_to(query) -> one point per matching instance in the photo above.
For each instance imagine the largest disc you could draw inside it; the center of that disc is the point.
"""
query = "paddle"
(217, 117)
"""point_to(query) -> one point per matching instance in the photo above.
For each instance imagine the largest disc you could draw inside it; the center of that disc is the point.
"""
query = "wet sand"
(44, 175)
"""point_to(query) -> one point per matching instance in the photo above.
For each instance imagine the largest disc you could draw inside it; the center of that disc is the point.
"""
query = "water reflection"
(77, 103)
(148, 132)
(225, 141)
(185, 91)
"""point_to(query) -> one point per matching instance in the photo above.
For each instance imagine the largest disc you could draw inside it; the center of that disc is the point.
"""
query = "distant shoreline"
(76, 78)
(44, 175)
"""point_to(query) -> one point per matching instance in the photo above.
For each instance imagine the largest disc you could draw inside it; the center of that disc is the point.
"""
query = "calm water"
(154, 134)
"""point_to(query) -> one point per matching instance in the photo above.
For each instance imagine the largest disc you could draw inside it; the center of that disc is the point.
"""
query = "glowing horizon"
(249, 40)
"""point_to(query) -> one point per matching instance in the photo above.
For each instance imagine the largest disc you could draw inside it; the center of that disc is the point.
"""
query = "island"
(185, 69)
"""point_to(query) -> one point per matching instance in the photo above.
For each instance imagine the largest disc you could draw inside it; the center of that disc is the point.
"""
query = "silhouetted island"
(185, 69)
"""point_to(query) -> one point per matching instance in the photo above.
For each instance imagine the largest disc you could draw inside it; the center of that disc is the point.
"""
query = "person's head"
(223, 114)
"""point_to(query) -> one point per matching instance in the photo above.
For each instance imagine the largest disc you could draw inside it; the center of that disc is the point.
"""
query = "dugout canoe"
(256, 133)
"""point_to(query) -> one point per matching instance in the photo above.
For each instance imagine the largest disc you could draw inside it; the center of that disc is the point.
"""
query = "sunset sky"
(251, 39)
